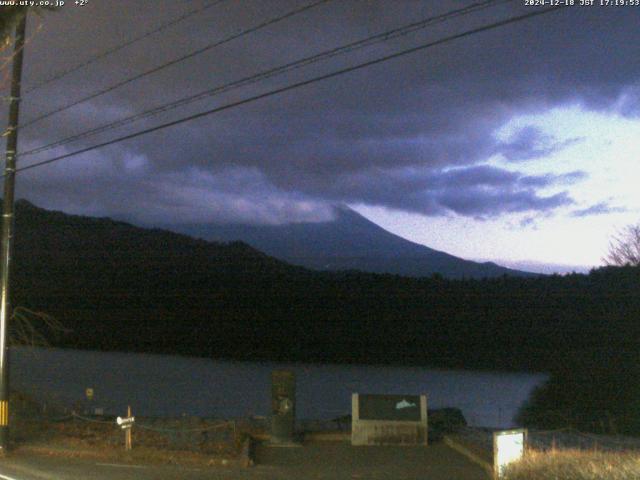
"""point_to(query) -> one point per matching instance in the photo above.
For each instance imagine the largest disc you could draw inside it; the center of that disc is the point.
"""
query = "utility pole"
(7, 228)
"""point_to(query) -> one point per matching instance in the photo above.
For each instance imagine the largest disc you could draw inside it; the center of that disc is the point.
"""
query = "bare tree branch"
(10, 16)
(624, 247)
(31, 328)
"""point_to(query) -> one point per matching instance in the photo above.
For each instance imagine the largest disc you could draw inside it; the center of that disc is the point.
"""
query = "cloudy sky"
(518, 145)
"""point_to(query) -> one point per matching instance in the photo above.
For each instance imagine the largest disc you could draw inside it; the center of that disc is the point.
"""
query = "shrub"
(575, 465)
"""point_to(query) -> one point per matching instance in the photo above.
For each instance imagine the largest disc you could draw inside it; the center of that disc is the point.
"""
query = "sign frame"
(497, 467)
(371, 431)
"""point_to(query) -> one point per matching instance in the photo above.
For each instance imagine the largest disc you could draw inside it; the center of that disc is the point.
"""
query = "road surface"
(321, 460)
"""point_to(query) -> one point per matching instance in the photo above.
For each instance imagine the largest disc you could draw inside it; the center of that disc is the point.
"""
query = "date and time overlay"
(581, 3)
(44, 3)
(527, 3)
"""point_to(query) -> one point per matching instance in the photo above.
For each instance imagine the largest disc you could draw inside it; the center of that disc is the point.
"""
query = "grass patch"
(187, 441)
(575, 465)
(105, 442)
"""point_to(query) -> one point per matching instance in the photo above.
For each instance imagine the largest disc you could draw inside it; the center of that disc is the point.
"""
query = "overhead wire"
(296, 85)
(350, 47)
(182, 58)
(121, 46)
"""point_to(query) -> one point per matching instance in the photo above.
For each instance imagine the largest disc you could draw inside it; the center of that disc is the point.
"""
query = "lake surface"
(165, 385)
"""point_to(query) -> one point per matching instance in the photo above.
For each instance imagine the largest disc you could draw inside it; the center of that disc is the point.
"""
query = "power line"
(368, 41)
(277, 91)
(174, 61)
(120, 46)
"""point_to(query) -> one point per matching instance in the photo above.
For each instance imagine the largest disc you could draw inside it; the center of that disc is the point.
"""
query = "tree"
(10, 16)
(28, 327)
(32, 328)
(624, 247)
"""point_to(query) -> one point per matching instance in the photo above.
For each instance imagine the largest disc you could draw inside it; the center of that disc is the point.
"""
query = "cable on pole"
(173, 62)
(120, 46)
(350, 47)
(293, 86)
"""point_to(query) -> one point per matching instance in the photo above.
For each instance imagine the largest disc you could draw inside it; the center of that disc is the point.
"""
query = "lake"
(165, 385)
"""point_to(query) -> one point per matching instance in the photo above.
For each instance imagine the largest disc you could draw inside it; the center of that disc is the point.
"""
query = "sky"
(517, 145)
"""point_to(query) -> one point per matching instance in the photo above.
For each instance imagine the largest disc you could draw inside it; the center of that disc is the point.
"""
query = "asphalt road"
(36, 467)
(322, 460)
(338, 461)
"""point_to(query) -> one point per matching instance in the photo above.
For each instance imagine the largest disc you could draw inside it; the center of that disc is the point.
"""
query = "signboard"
(390, 407)
(125, 422)
(388, 419)
(508, 447)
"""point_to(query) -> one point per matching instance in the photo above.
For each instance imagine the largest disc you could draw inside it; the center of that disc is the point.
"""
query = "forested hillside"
(125, 288)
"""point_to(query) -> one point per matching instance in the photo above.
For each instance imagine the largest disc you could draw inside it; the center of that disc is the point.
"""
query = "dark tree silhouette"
(33, 328)
(9, 18)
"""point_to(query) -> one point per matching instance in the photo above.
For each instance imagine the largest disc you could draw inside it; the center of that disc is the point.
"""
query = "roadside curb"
(244, 459)
(327, 436)
(474, 457)
(61, 452)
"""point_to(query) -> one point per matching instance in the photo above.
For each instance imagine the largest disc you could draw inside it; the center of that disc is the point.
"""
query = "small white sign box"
(508, 446)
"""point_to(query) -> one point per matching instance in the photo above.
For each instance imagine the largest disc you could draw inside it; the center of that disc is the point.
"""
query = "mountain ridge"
(348, 242)
(119, 287)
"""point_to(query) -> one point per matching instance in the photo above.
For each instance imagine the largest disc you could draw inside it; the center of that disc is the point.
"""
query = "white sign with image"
(508, 447)
(125, 422)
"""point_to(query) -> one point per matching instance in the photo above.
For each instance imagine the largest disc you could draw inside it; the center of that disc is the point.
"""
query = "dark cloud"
(530, 143)
(480, 191)
(480, 203)
(546, 180)
(601, 208)
(528, 222)
(412, 133)
(106, 187)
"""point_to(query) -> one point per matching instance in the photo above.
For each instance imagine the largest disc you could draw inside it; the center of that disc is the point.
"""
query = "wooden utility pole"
(127, 432)
(7, 228)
